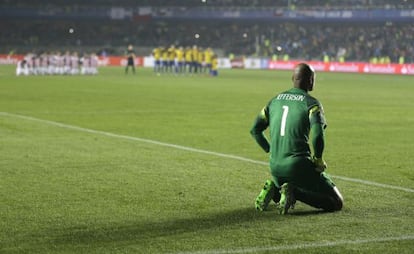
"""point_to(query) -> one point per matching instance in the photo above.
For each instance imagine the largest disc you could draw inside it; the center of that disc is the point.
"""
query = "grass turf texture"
(70, 191)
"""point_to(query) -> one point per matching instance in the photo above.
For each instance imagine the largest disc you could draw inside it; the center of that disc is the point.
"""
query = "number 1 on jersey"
(283, 122)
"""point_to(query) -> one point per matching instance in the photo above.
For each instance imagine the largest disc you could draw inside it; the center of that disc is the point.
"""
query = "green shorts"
(300, 172)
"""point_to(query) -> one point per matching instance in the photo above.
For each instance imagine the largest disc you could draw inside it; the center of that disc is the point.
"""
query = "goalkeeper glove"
(320, 164)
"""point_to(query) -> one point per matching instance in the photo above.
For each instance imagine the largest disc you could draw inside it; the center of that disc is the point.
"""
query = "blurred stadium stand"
(356, 30)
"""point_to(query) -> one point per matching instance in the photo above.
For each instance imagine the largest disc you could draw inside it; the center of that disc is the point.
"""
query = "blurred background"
(353, 30)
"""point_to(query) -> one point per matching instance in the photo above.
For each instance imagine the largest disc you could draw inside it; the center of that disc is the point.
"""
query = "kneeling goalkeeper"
(292, 117)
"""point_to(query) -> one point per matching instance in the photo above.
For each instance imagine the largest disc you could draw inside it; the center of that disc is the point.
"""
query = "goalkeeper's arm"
(260, 125)
(318, 140)
(318, 144)
(317, 137)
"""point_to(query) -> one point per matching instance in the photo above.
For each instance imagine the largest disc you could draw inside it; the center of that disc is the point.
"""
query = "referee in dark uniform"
(130, 59)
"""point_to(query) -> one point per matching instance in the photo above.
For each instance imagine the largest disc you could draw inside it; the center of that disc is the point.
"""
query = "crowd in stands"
(353, 4)
(392, 42)
(314, 41)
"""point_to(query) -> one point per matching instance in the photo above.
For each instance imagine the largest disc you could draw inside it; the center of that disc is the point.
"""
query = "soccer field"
(119, 163)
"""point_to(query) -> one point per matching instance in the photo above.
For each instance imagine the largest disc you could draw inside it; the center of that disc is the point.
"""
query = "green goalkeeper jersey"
(291, 116)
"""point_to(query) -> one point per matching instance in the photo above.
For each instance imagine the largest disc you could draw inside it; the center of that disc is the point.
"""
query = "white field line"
(302, 246)
(185, 148)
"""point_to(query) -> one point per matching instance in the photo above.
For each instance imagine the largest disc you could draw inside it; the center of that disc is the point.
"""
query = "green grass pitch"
(119, 163)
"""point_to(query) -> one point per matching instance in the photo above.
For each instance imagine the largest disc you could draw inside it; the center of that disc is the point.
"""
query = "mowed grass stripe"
(159, 143)
(303, 246)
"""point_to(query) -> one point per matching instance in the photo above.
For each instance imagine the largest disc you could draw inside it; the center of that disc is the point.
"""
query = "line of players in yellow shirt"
(189, 60)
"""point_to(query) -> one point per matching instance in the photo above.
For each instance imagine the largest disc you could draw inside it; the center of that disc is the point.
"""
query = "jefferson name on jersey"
(290, 97)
